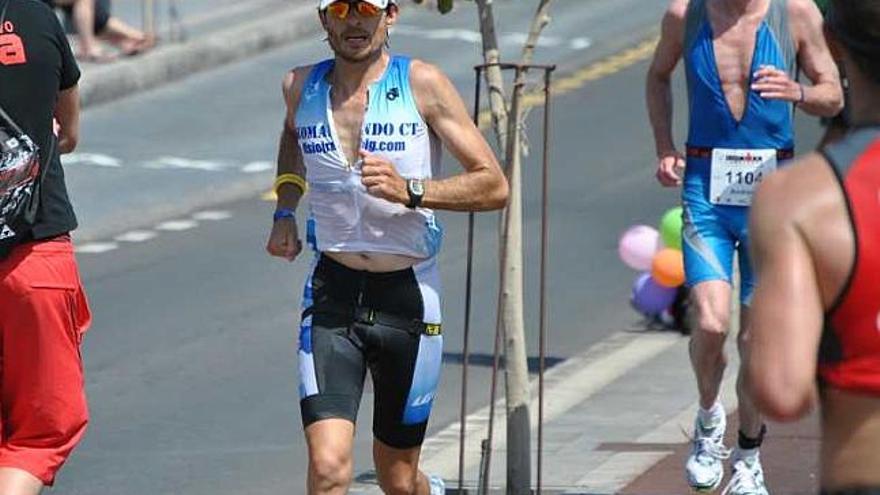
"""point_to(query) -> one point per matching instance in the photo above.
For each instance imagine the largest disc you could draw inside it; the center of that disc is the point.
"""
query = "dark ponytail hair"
(856, 23)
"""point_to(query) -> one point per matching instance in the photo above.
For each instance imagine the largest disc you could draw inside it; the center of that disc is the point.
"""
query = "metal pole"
(545, 242)
(486, 444)
(467, 312)
(148, 16)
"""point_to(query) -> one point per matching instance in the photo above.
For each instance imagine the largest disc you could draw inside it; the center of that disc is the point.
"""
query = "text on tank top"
(343, 216)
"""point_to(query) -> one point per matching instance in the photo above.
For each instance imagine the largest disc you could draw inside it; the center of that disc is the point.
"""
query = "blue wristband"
(284, 213)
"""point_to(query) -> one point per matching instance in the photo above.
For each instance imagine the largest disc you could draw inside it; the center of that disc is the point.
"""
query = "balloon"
(638, 245)
(649, 297)
(670, 228)
(667, 269)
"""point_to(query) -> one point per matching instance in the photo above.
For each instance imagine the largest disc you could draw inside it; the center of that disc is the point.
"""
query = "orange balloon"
(667, 269)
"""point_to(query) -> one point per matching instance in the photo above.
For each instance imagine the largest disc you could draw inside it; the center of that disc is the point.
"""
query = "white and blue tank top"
(343, 216)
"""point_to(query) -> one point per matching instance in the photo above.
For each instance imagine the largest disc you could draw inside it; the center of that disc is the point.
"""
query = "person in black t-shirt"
(43, 309)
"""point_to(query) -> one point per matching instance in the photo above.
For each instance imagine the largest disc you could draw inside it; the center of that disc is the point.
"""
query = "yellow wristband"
(294, 179)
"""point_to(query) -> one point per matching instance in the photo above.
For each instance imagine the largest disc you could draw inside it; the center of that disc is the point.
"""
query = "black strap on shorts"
(369, 316)
(703, 152)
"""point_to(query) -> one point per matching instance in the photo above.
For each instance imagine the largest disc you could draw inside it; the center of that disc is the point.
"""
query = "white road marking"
(173, 162)
(466, 35)
(623, 468)
(96, 247)
(580, 43)
(617, 471)
(170, 163)
(256, 167)
(96, 159)
(177, 225)
(136, 236)
(566, 386)
(212, 215)
(474, 37)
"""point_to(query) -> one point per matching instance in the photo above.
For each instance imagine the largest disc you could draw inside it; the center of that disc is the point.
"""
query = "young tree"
(508, 124)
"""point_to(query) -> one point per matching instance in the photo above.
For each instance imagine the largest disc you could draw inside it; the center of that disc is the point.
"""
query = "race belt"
(369, 316)
(703, 152)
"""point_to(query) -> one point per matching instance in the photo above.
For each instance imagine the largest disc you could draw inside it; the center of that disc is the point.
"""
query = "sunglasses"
(340, 9)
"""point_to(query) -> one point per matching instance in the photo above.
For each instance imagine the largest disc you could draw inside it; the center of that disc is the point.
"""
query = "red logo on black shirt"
(11, 47)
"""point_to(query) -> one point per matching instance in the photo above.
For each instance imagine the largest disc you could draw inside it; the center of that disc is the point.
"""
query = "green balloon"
(444, 6)
(670, 228)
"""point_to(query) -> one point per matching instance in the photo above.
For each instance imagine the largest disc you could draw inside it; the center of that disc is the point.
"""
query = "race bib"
(737, 173)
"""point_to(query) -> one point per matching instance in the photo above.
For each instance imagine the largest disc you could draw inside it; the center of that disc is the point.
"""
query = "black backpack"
(20, 174)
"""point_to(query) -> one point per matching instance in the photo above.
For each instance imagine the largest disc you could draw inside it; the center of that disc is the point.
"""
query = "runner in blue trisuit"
(741, 59)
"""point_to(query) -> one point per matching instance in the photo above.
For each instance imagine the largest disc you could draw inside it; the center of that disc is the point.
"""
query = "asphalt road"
(190, 363)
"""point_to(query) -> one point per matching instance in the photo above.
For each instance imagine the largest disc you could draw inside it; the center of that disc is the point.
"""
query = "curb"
(175, 62)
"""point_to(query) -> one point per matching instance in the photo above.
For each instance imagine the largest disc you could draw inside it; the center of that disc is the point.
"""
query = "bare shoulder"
(433, 91)
(676, 10)
(427, 78)
(803, 9)
(292, 83)
(805, 18)
(793, 193)
(672, 29)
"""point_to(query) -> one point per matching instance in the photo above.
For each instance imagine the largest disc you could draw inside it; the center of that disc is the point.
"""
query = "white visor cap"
(382, 4)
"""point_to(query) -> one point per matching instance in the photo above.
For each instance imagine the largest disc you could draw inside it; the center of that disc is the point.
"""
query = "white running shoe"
(437, 485)
(704, 468)
(747, 478)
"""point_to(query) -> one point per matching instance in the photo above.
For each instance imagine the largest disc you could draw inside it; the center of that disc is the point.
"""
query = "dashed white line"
(95, 159)
(174, 162)
(255, 167)
(580, 43)
(136, 236)
(96, 247)
(212, 215)
(177, 225)
(474, 37)
(170, 163)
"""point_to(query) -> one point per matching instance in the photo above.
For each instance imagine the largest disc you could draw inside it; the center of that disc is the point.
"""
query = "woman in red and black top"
(816, 239)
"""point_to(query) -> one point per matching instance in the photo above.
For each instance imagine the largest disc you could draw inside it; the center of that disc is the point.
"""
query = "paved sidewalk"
(218, 32)
(616, 423)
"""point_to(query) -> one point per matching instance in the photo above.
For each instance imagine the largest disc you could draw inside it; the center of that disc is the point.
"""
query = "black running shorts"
(387, 323)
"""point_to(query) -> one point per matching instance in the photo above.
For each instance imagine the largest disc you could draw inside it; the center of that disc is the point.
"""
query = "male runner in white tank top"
(363, 129)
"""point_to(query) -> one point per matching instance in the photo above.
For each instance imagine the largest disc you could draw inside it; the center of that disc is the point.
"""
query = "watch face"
(417, 186)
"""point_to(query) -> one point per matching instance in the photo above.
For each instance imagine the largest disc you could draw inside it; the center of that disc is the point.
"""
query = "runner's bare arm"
(290, 160)
(482, 186)
(658, 91)
(67, 116)
(787, 312)
(284, 237)
(825, 97)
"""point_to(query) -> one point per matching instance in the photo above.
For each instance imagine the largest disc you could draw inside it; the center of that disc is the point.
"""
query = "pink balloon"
(638, 245)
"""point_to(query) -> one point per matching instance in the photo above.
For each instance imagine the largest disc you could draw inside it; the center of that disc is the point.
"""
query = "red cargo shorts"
(43, 315)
